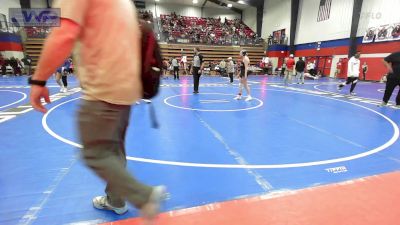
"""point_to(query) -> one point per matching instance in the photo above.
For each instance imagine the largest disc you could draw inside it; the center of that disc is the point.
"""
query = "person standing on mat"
(230, 68)
(392, 62)
(244, 68)
(175, 66)
(184, 64)
(365, 70)
(300, 66)
(64, 74)
(353, 73)
(110, 84)
(197, 68)
(289, 70)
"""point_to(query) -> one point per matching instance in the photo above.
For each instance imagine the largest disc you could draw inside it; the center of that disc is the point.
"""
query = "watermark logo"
(340, 169)
(371, 15)
(39, 17)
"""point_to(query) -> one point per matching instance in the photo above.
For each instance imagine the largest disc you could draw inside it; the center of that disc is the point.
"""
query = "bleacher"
(34, 44)
(187, 29)
(211, 53)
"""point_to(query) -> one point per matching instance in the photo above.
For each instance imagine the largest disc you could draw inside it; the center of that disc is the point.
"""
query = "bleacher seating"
(177, 29)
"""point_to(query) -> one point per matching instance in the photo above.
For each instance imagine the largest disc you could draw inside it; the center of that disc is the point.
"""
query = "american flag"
(324, 10)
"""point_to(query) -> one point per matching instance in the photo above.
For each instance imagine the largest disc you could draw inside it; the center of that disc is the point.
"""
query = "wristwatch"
(41, 83)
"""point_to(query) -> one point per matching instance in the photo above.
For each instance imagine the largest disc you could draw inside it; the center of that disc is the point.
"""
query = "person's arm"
(387, 61)
(57, 48)
(202, 62)
(388, 65)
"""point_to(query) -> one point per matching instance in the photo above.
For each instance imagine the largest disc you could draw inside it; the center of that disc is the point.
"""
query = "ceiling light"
(241, 2)
(157, 0)
(195, 1)
(230, 5)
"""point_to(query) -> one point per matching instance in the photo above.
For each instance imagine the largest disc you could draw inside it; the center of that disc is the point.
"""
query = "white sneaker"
(65, 90)
(383, 104)
(239, 97)
(147, 100)
(353, 93)
(100, 202)
(249, 98)
(151, 209)
(138, 103)
(62, 89)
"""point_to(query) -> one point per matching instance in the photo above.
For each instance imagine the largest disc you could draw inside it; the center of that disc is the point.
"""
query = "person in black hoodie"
(300, 66)
(392, 62)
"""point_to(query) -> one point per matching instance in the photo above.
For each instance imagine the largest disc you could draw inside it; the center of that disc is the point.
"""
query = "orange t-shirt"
(108, 53)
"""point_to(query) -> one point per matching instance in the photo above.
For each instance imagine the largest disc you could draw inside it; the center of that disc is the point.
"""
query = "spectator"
(3, 65)
(222, 67)
(27, 60)
(300, 66)
(230, 69)
(175, 66)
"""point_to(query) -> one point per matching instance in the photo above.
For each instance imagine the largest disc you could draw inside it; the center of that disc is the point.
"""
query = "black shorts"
(242, 73)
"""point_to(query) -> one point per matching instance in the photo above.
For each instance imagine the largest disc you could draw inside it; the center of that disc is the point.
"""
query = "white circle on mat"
(24, 96)
(260, 103)
(380, 148)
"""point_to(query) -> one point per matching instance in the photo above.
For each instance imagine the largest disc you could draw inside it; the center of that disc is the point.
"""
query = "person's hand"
(37, 93)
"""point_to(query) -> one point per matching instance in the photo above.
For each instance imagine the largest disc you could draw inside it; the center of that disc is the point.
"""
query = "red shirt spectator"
(290, 63)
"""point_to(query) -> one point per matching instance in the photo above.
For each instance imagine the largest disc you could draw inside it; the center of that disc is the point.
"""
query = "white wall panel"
(185, 10)
(336, 27)
(375, 13)
(6, 4)
(250, 18)
(276, 17)
(217, 12)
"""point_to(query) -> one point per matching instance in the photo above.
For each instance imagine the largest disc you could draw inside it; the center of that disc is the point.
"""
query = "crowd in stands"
(37, 32)
(146, 15)
(15, 66)
(205, 30)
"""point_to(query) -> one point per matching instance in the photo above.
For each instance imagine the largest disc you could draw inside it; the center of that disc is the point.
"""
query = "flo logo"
(35, 17)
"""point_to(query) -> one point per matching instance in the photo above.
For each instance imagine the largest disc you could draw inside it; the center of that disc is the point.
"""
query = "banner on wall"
(388, 32)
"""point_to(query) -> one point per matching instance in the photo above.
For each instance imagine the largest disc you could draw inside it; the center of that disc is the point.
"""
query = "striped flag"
(324, 10)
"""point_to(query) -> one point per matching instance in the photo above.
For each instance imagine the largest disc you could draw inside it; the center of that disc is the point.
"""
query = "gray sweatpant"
(102, 129)
(300, 77)
(288, 77)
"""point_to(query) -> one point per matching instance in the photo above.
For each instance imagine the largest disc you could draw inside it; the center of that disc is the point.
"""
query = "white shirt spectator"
(175, 63)
(265, 60)
(184, 59)
(353, 67)
(310, 66)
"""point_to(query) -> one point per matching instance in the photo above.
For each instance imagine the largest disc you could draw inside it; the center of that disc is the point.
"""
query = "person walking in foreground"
(392, 62)
(353, 73)
(104, 111)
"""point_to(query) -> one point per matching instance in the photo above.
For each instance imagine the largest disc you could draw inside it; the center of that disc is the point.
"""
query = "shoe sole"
(157, 197)
(116, 211)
